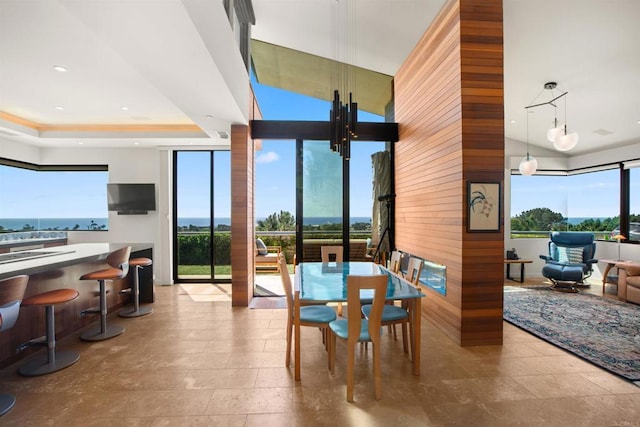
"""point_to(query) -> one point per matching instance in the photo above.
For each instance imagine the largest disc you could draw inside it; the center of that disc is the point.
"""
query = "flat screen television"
(131, 199)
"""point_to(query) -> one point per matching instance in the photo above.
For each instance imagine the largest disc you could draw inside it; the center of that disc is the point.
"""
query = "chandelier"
(343, 116)
(562, 140)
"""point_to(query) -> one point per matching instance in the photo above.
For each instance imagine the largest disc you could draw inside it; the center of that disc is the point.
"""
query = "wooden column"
(242, 216)
(449, 106)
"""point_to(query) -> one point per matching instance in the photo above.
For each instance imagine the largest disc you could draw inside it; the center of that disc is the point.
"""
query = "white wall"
(135, 165)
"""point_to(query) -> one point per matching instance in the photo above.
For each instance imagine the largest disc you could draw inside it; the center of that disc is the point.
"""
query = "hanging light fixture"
(528, 164)
(562, 141)
(343, 118)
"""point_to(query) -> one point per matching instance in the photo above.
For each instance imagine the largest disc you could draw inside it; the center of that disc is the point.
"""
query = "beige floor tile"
(206, 363)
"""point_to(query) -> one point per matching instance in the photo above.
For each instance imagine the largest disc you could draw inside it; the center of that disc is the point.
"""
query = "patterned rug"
(603, 331)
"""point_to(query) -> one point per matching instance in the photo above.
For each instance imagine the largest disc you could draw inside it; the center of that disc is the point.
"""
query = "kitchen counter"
(65, 255)
(62, 267)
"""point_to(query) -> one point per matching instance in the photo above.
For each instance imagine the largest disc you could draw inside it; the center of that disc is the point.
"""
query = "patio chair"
(266, 257)
(570, 259)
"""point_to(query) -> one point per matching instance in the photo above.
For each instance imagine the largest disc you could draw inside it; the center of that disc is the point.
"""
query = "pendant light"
(562, 140)
(528, 164)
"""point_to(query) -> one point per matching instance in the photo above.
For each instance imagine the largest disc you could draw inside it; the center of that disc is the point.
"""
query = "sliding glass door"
(201, 216)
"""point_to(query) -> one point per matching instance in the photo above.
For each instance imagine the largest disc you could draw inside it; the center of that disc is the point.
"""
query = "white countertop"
(68, 254)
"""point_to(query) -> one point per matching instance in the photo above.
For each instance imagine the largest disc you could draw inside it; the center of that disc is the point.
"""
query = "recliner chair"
(570, 259)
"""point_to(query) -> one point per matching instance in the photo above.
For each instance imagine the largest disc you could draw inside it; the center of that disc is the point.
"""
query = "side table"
(522, 262)
(610, 264)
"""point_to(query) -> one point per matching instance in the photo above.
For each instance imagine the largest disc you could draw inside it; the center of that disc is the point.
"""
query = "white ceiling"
(173, 62)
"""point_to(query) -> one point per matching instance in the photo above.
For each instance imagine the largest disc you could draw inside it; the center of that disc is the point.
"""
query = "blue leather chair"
(570, 259)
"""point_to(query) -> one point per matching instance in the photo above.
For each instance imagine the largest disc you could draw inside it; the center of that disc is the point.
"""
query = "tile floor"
(193, 363)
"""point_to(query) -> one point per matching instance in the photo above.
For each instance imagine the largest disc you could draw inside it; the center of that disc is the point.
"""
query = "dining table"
(318, 283)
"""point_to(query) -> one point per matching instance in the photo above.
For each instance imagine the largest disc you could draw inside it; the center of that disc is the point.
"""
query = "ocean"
(21, 224)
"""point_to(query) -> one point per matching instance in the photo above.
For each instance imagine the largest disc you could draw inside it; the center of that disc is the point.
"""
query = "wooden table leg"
(605, 275)
(296, 329)
(416, 313)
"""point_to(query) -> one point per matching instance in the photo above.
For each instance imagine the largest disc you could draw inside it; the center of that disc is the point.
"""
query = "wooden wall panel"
(449, 106)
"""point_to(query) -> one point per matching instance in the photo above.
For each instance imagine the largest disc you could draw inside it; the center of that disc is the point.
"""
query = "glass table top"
(319, 281)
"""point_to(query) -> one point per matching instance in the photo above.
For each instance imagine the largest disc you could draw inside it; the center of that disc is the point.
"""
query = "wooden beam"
(319, 131)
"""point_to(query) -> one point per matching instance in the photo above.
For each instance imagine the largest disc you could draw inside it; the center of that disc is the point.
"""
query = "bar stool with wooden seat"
(11, 294)
(54, 360)
(136, 310)
(119, 267)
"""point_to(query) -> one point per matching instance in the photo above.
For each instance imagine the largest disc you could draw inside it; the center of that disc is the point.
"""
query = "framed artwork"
(484, 208)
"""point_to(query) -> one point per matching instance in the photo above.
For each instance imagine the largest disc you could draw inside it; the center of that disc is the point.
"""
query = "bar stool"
(119, 262)
(53, 361)
(136, 311)
(11, 294)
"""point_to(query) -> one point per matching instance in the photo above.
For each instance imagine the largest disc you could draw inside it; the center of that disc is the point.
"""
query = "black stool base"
(131, 311)
(7, 402)
(96, 334)
(40, 365)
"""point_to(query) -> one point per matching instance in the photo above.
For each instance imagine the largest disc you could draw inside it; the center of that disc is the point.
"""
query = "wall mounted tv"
(131, 199)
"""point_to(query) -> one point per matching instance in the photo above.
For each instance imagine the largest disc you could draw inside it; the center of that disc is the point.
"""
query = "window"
(580, 202)
(634, 204)
(62, 198)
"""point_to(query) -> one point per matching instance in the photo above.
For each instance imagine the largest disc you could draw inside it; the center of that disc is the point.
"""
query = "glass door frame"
(174, 258)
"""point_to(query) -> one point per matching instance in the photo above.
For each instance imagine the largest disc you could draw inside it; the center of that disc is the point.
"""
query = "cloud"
(267, 157)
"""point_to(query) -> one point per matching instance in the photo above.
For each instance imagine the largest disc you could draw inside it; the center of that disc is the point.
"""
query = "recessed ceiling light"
(60, 68)
(209, 116)
(59, 107)
(638, 122)
(124, 108)
(136, 143)
(513, 121)
(80, 143)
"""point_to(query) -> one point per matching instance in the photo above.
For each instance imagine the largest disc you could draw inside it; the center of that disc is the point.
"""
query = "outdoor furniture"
(266, 257)
(570, 259)
(11, 293)
(354, 329)
(629, 281)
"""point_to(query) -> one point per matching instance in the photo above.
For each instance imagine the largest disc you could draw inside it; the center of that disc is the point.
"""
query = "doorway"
(201, 216)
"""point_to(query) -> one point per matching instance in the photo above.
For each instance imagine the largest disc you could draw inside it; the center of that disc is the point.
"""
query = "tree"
(283, 221)
(538, 219)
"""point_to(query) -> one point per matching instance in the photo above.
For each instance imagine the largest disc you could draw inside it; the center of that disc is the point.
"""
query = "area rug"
(603, 331)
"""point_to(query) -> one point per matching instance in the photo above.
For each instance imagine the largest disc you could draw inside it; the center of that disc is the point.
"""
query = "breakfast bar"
(61, 267)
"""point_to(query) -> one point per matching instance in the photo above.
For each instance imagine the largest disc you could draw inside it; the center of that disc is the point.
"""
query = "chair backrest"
(572, 247)
(354, 285)
(120, 259)
(394, 262)
(12, 292)
(286, 283)
(329, 252)
(413, 270)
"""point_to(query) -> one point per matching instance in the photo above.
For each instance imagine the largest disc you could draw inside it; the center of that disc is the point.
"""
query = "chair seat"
(106, 274)
(340, 327)
(57, 296)
(317, 314)
(390, 313)
(142, 262)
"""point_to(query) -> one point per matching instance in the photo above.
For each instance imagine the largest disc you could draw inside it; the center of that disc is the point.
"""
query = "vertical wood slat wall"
(449, 106)
(242, 209)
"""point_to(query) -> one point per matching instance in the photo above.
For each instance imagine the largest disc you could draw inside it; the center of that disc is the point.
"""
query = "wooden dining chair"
(413, 270)
(394, 262)
(333, 254)
(355, 329)
(318, 316)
